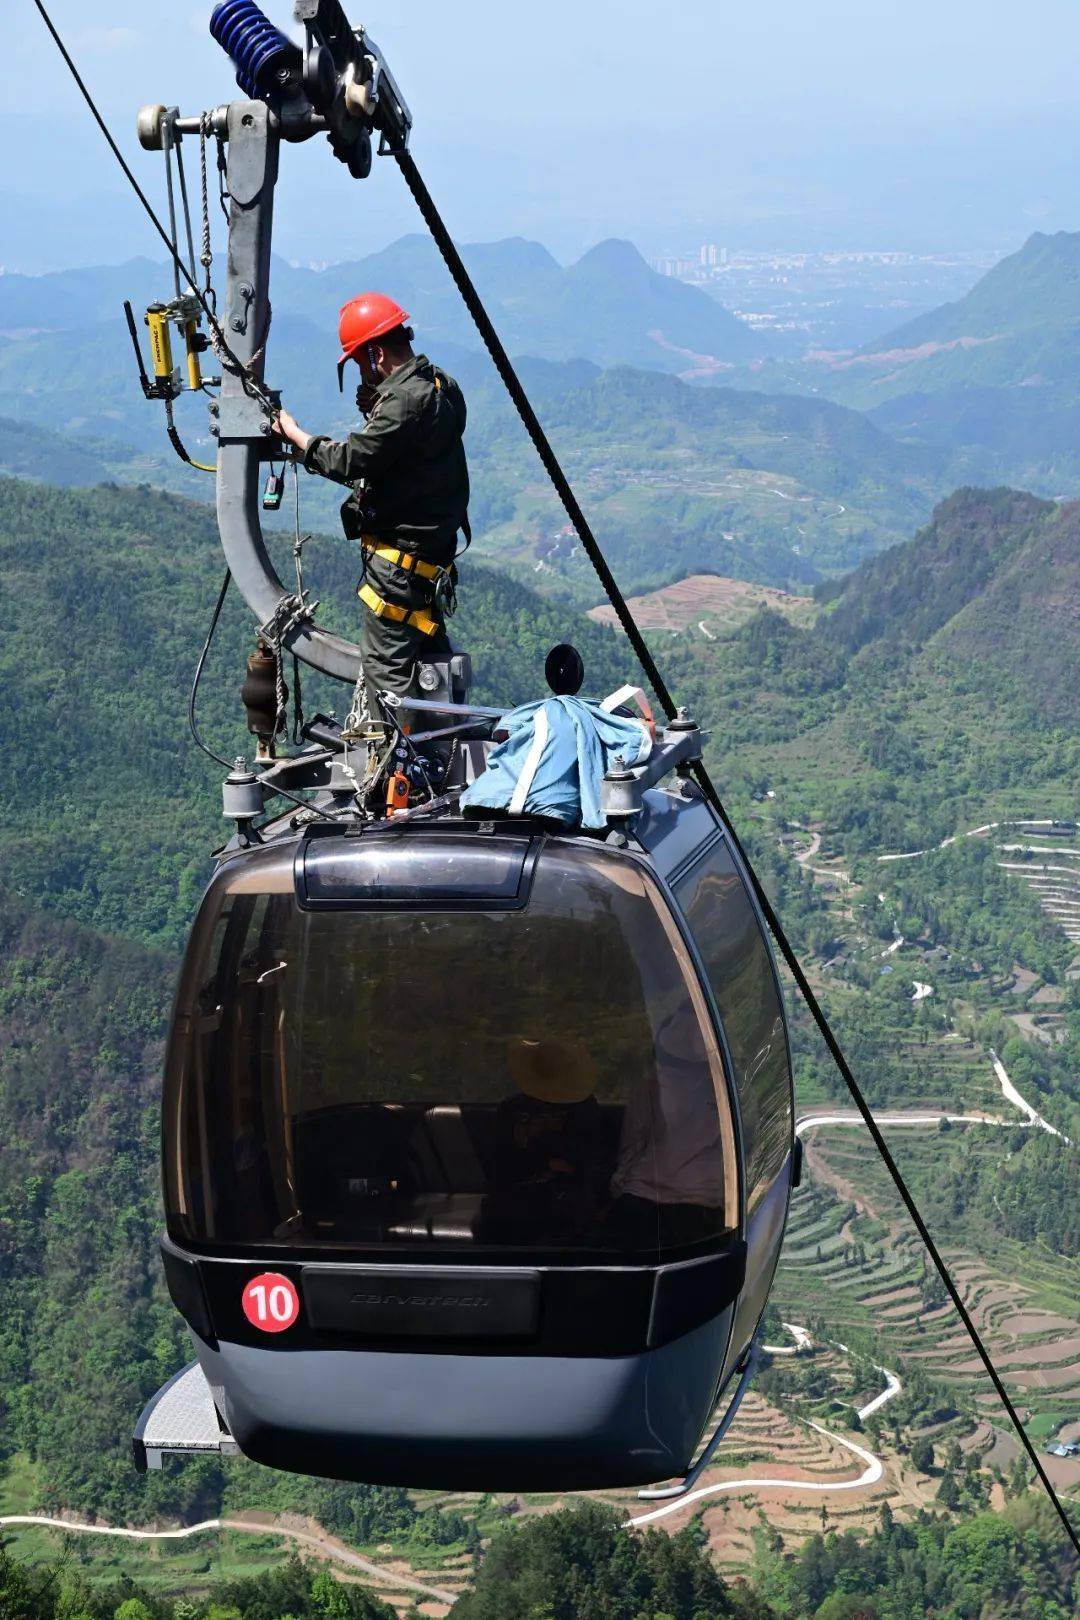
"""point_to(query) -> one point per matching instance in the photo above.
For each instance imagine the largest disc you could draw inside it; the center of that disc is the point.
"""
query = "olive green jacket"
(407, 466)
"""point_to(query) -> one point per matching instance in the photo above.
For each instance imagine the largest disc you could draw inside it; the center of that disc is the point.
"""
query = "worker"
(549, 1140)
(410, 490)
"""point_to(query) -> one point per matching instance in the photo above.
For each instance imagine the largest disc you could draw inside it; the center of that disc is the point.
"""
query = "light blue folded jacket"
(554, 760)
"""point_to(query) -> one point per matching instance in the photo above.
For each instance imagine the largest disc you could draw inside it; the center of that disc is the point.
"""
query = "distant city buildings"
(709, 261)
(836, 298)
(692, 266)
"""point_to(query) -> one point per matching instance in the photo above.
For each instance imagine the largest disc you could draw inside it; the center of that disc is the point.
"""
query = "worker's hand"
(287, 427)
(365, 398)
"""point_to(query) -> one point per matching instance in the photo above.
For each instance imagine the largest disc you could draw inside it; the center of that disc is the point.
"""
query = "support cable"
(252, 384)
(179, 150)
(194, 693)
(512, 382)
(542, 445)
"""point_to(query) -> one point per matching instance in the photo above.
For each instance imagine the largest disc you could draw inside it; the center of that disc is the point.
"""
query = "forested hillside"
(681, 479)
(109, 594)
(1031, 297)
(936, 683)
(778, 489)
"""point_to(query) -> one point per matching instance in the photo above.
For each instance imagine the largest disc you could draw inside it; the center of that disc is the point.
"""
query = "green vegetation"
(578, 1564)
(291, 1590)
(676, 478)
(680, 479)
(995, 1563)
(915, 718)
(109, 594)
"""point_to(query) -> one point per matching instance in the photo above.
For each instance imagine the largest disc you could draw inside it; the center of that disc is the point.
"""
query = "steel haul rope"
(592, 549)
(542, 445)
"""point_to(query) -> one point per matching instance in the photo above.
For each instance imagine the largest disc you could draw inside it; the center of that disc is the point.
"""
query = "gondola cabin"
(477, 1146)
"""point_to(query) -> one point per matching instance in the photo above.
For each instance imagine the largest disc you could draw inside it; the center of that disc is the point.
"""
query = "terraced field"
(709, 605)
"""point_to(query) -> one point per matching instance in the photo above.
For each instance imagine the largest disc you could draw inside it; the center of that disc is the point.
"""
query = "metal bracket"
(240, 418)
(621, 790)
(242, 430)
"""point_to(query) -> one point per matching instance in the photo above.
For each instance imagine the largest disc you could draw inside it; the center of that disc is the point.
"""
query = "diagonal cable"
(542, 444)
(251, 383)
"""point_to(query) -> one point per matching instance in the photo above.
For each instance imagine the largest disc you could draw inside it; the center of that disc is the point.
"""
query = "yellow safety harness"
(410, 563)
(408, 560)
(383, 609)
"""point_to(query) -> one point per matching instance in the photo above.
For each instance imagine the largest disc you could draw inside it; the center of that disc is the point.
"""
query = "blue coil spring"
(253, 42)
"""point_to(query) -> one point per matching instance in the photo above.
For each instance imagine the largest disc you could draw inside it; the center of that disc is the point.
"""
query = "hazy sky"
(936, 123)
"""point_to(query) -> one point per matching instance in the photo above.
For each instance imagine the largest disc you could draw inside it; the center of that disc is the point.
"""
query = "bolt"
(237, 323)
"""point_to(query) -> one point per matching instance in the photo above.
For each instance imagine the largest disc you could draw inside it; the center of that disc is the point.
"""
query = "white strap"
(516, 806)
(629, 694)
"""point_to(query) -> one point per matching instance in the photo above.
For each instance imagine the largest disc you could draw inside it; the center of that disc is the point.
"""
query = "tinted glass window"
(736, 959)
(541, 1080)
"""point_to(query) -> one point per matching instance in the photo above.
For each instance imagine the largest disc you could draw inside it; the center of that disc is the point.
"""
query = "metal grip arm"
(243, 431)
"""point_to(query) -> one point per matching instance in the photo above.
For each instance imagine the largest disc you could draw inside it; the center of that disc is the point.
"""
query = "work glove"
(365, 398)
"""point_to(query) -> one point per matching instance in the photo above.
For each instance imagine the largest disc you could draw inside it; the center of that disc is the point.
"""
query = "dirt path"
(811, 849)
(326, 1546)
(1011, 1094)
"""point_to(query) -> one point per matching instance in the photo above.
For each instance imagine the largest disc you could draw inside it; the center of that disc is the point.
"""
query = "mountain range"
(992, 379)
(784, 473)
(609, 306)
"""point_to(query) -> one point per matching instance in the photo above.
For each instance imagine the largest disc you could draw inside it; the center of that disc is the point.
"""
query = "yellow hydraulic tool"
(164, 381)
(183, 313)
(161, 360)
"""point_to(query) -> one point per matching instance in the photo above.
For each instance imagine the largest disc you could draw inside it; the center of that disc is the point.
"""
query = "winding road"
(870, 1475)
(973, 832)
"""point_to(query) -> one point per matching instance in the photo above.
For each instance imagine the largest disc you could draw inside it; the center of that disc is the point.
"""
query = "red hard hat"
(366, 318)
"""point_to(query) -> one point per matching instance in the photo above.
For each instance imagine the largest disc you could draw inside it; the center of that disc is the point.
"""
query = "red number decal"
(270, 1302)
